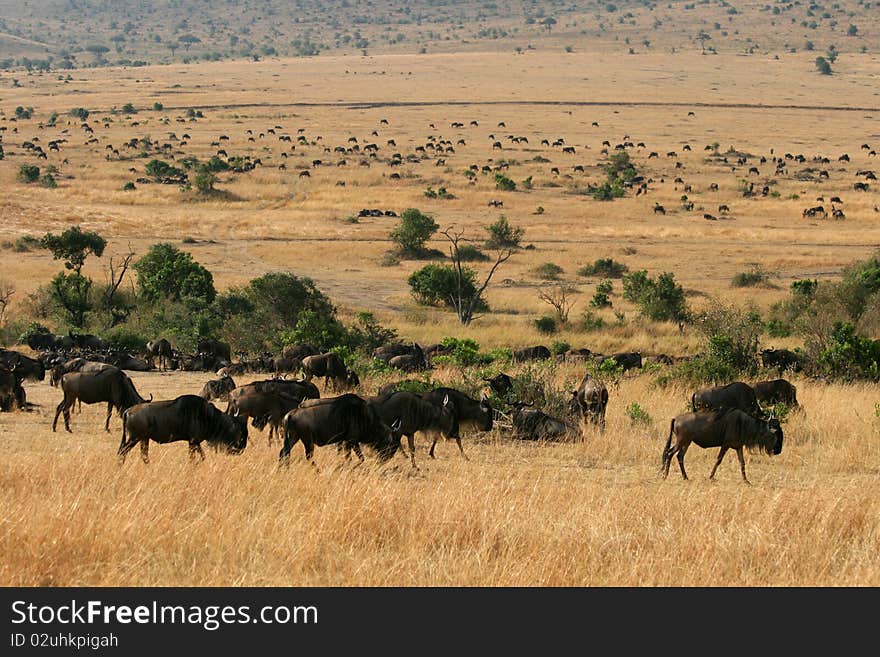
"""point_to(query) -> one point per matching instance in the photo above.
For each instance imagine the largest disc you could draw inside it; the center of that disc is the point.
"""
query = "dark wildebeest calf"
(734, 395)
(590, 400)
(730, 428)
(189, 418)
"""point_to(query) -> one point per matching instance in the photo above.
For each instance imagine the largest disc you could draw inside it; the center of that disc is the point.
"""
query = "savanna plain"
(593, 511)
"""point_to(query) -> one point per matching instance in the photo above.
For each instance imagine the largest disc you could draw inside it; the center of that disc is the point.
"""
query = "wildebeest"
(264, 407)
(76, 365)
(539, 352)
(289, 365)
(87, 341)
(26, 368)
(331, 367)
(590, 400)
(775, 392)
(159, 350)
(534, 424)
(730, 428)
(217, 388)
(50, 342)
(627, 360)
(414, 361)
(12, 393)
(388, 351)
(347, 419)
(220, 350)
(734, 395)
(780, 359)
(501, 384)
(189, 418)
(110, 385)
(299, 351)
(414, 414)
(468, 412)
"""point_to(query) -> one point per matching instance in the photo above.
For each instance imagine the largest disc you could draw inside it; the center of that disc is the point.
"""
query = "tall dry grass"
(590, 513)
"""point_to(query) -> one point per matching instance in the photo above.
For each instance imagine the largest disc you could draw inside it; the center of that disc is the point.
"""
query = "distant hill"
(59, 34)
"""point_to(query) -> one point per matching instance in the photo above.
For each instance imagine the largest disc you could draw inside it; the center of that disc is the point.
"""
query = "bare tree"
(116, 272)
(558, 297)
(6, 293)
(465, 305)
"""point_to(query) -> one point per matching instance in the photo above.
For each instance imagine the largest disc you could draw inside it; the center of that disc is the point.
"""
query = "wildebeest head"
(352, 380)
(485, 423)
(232, 433)
(775, 428)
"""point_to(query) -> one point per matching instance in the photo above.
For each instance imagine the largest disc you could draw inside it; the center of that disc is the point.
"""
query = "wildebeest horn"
(446, 400)
(395, 426)
(151, 397)
(484, 397)
(237, 412)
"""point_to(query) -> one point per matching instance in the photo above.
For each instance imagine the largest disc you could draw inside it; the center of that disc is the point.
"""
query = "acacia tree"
(71, 291)
(466, 304)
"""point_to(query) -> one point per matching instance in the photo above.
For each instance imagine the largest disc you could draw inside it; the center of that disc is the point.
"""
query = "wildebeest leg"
(145, 450)
(742, 463)
(460, 448)
(433, 445)
(357, 450)
(718, 461)
(125, 446)
(109, 413)
(680, 455)
(196, 448)
(61, 408)
(410, 440)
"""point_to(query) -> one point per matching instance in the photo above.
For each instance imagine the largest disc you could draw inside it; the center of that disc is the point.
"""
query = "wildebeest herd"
(728, 417)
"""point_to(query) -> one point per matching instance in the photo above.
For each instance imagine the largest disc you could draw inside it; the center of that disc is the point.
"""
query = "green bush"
(204, 181)
(637, 415)
(412, 231)
(546, 324)
(591, 322)
(79, 112)
(754, 278)
(605, 267)
(48, 180)
(504, 183)
(28, 173)
(658, 300)
(849, 356)
(125, 339)
(159, 169)
(549, 271)
(128, 187)
(166, 272)
(504, 236)
(437, 285)
(559, 347)
(470, 253)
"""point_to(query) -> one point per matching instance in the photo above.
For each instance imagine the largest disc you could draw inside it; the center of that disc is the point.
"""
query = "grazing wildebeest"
(415, 414)
(780, 359)
(590, 400)
(627, 360)
(734, 395)
(415, 361)
(189, 418)
(159, 350)
(26, 368)
(534, 424)
(110, 385)
(539, 352)
(12, 393)
(220, 350)
(217, 388)
(289, 365)
(775, 392)
(264, 407)
(468, 413)
(347, 419)
(500, 384)
(332, 368)
(729, 428)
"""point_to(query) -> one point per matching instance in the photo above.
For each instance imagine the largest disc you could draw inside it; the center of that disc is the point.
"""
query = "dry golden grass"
(591, 513)
(594, 513)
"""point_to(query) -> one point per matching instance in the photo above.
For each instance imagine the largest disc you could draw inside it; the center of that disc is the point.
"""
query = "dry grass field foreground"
(590, 513)
(593, 512)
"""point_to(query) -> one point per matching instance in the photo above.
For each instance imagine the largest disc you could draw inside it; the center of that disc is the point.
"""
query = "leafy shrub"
(128, 187)
(28, 173)
(470, 253)
(504, 183)
(80, 113)
(502, 235)
(545, 324)
(549, 271)
(600, 298)
(658, 300)
(591, 322)
(606, 267)
(166, 272)
(637, 415)
(412, 231)
(437, 285)
(125, 339)
(754, 278)
(559, 347)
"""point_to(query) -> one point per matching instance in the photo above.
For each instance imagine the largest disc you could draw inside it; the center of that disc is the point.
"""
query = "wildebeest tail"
(668, 443)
